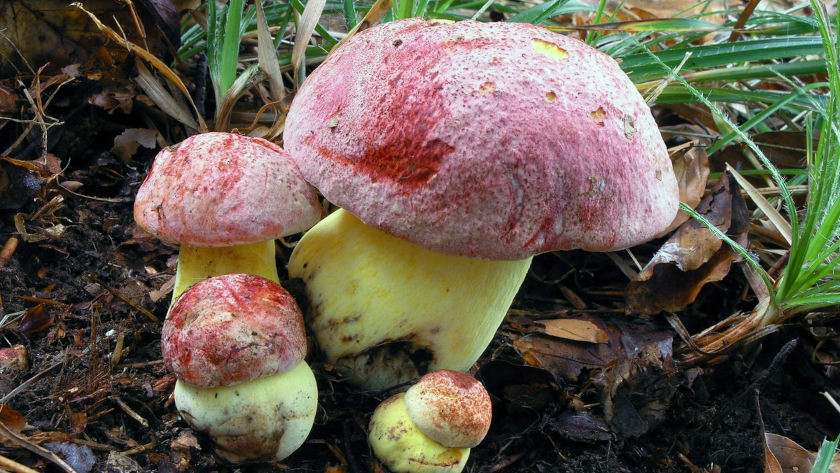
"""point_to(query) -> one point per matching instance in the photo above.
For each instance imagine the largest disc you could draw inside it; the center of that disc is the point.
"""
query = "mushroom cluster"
(224, 198)
(234, 338)
(236, 343)
(458, 151)
(431, 427)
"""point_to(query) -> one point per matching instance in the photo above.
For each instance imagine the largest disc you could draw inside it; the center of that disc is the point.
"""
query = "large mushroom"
(224, 198)
(461, 150)
(236, 343)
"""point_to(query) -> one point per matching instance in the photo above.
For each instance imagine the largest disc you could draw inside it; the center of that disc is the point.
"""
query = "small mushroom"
(431, 427)
(461, 150)
(224, 198)
(236, 343)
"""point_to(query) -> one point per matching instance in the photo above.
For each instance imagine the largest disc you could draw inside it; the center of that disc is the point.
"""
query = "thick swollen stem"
(389, 311)
(265, 419)
(197, 264)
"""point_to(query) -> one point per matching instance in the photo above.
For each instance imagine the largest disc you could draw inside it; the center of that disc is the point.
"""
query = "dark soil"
(84, 397)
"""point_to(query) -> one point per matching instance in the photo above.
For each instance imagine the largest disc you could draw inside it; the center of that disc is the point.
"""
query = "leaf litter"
(582, 372)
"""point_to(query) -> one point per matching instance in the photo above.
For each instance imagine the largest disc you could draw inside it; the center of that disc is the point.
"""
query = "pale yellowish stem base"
(384, 308)
(198, 264)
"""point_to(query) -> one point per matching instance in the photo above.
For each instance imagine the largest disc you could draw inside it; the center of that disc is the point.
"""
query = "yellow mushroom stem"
(403, 448)
(388, 311)
(197, 264)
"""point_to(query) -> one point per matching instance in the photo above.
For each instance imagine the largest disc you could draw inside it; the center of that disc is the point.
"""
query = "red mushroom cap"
(451, 408)
(223, 189)
(491, 140)
(231, 329)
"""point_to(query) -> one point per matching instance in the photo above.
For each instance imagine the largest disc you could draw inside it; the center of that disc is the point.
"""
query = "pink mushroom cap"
(233, 328)
(451, 408)
(490, 140)
(223, 189)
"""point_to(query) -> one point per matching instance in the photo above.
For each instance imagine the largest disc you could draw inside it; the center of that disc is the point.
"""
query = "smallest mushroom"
(236, 343)
(431, 427)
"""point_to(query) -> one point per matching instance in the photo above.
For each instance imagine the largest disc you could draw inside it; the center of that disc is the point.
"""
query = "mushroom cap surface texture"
(490, 140)
(450, 407)
(223, 189)
(233, 328)
(403, 448)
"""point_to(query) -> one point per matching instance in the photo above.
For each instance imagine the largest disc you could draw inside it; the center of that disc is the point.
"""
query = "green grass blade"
(682, 25)
(760, 118)
(825, 456)
(592, 35)
(640, 67)
(677, 94)
(420, 7)
(404, 9)
(536, 15)
(230, 45)
(823, 212)
(758, 71)
(349, 10)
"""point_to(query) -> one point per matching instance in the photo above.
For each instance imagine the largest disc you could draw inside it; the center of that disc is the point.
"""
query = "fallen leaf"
(18, 183)
(693, 256)
(574, 329)
(691, 167)
(36, 319)
(127, 142)
(13, 421)
(581, 427)
(565, 359)
(783, 455)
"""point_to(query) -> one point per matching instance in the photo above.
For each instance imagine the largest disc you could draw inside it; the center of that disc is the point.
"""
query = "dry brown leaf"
(574, 329)
(13, 421)
(565, 359)
(691, 165)
(783, 455)
(693, 256)
(127, 142)
(36, 319)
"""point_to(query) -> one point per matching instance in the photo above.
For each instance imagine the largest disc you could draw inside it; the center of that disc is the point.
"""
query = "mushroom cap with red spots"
(223, 189)
(490, 140)
(451, 408)
(233, 328)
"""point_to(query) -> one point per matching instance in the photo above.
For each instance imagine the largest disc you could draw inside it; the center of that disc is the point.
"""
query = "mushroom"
(431, 427)
(461, 150)
(236, 343)
(224, 198)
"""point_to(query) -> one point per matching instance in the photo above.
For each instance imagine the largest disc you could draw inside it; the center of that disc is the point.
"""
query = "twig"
(8, 250)
(14, 466)
(94, 445)
(123, 298)
(131, 413)
(831, 400)
(142, 448)
(144, 364)
(36, 449)
(348, 449)
(29, 382)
